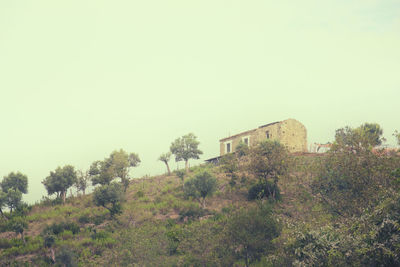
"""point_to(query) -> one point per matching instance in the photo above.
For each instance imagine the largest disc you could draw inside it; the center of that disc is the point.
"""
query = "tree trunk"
(246, 258)
(169, 171)
(187, 166)
(23, 236)
(53, 256)
(64, 196)
(204, 203)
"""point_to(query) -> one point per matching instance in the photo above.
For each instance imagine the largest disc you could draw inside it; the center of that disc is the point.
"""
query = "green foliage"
(262, 189)
(58, 228)
(16, 181)
(250, 233)
(202, 185)
(117, 165)
(165, 158)
(268, 162)
(18, 225)
(60, 180)
(230, 166)
(82, 181)
(397, 136)
(347, 180)
(181, 174)
(12, 199)
(367, 136)
(242, 149)
(185, 148)
(110, 197)
(191, 212)
(66, 257)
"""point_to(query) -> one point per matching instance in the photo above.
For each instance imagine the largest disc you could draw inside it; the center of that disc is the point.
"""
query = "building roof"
(236, 135)
(272, 123)
(249, 131)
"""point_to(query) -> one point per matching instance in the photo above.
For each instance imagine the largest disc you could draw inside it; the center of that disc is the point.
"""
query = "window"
(228, 147)
(267, 134)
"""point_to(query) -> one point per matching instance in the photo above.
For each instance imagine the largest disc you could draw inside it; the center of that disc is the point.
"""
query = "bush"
(58, 228)
(262, 189)
(66, 257)
(250, 233)
(192, 211)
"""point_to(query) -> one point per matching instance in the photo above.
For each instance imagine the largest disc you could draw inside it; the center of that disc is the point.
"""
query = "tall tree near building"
(185, 148)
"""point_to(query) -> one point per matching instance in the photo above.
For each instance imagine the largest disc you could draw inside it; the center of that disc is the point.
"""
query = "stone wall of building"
(290, 133)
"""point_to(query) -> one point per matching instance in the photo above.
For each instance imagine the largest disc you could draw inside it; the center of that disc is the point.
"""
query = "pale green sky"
(79, 78)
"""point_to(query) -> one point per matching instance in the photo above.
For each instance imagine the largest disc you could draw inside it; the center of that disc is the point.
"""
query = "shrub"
(192, 211)
(262, 189)
(66, 257)
(58, 228)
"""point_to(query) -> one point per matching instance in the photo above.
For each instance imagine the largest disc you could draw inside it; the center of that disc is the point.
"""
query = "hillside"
(159, 226)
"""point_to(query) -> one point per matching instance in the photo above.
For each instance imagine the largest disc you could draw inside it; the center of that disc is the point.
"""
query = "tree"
(13, 199)
(60, 180)
(15, 181)
(397, 135)
(351, 173)
(185, 148)
(366, 136)
(230, 166)
(82, 181)
(250, 233)
(242, 149)
(117, 165)
(181, 174)
(110, 197)
(18, 224)
(202, 185)
(269, 161)
(3, 202)
(165, 158)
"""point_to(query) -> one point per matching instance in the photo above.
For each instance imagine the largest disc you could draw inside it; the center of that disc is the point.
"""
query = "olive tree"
(364, 137)
(202, 185)
(185, 148)
(165, 158)
(117, 165)
(15, 181)
(269, 161)
(60, 180)
(110, 197)
(82, 181)
(13, 186)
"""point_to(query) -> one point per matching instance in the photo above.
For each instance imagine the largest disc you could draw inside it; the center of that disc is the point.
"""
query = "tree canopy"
(202, 185)
(110, 197)
(15, 181)
(117, 165)
(60, 180)
(251, 232)
(366, 136)
(268, 161)
(185, 148)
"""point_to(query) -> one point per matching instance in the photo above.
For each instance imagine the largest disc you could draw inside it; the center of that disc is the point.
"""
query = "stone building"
(290, 133)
